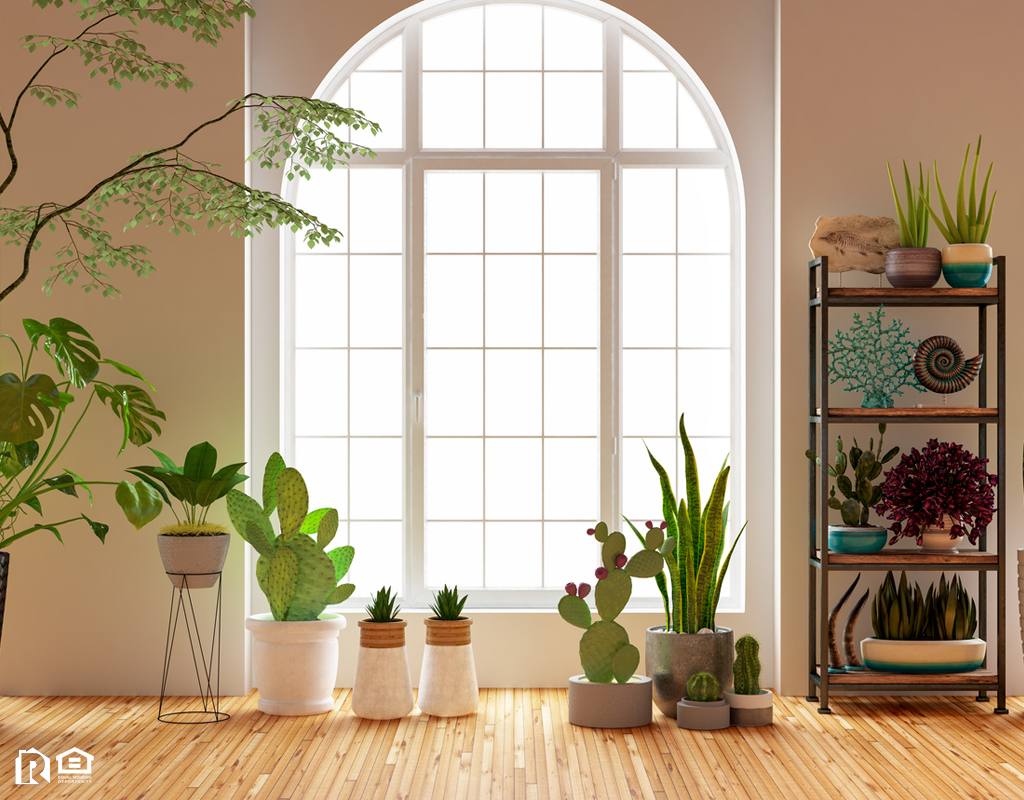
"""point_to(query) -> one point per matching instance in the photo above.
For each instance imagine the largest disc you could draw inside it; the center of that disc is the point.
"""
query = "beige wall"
(894, 81)
(86, 618)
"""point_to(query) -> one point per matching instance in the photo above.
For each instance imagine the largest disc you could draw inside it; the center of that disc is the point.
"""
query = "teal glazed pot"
(967, 266)
(843, 539)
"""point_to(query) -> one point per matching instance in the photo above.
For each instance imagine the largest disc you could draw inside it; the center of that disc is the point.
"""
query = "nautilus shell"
(941, 367)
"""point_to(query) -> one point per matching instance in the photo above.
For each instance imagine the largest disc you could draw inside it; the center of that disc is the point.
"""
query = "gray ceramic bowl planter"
(610, 705)
(702, 716)
(750, 710)
(671, 658)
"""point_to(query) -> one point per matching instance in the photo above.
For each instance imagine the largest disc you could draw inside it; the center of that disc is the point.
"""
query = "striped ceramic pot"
(967, 266)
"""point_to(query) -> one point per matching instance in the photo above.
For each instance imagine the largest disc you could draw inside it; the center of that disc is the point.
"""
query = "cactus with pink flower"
(605, 651)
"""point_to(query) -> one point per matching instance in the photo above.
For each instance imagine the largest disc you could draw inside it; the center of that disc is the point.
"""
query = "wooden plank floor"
(519, 745)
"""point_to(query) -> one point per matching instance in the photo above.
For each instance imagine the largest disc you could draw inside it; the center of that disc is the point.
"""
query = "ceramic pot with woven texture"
(913, 267)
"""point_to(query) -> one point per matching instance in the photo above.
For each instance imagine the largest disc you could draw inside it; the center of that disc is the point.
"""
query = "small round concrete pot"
(610, 705)
(448, 685)
(696, 716)
(201, 558)
(383, 685)
(750, 710)
(295, 663)
(671, 658)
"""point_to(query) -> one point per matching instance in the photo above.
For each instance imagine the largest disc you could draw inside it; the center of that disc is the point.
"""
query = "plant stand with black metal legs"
(203, 661)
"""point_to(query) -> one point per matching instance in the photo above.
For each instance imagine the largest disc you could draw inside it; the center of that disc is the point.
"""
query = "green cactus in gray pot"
(746, 669)
(296, 572)
(702, 687)
(605, 651)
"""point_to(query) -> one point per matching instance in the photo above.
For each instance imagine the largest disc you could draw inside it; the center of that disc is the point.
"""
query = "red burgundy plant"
(940, 479)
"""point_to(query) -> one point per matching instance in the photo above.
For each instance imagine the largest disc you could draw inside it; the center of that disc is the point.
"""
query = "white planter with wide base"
(694, 716)
(750, 710)
(448, 685)
(610, 705)
(895, 655)
(383, 686)
(295, 663)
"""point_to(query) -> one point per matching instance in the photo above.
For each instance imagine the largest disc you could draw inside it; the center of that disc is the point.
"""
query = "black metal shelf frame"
(820, 299)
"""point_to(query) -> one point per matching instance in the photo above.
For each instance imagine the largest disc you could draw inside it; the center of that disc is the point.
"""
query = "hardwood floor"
(519, 745)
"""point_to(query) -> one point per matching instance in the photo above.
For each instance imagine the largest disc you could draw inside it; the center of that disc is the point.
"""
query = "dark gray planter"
(696, 716)
(671, 658)
(610, 705)
(750, 710)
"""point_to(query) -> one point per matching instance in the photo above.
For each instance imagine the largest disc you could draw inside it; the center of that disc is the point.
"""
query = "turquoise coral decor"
(874, 360)
(605, 651)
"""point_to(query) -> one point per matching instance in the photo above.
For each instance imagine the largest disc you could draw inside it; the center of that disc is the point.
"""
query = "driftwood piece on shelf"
(835, 660)
(849, 649)
(854, 242)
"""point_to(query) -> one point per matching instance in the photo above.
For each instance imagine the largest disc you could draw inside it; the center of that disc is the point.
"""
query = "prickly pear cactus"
(702, 687)
(746, 669)
(605, 651)
(298, 576)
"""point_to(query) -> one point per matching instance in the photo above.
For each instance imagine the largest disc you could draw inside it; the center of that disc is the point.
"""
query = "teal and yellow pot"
(967, 266)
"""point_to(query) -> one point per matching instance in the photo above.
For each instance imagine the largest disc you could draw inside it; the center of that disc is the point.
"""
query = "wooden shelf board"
(902, 559)
(938, 414)
(855, 296)
(869, 677)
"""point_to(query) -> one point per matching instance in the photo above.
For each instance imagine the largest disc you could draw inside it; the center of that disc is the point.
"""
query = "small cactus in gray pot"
(295, 571)
(746, 669)
(605, 651)
(702, 687)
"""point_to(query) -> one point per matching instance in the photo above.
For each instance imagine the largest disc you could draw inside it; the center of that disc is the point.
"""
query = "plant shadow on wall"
(165, 186)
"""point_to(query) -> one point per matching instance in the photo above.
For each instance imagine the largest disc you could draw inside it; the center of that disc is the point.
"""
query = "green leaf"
(135, 408)
(340, 593)
(75, 356)
(200, 462)
(35, 505)
(64, 484)
(24, 416)
(342, 558)
(141, 503)
(16, 457)
(275, 465)
(98, 528)
(128, 371)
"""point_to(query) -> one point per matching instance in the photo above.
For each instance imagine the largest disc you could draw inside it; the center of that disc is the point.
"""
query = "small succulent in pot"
(952, 613)
(702, 687)
(940, 479)
(859, 491)
(945, 613)
(447, 604)
(382, 606)
(196, 486)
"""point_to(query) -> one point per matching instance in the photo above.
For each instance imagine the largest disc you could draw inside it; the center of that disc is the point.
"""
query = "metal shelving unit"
(985, 560)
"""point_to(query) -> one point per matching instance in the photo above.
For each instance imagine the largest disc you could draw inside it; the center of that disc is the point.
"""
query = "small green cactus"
(746, 669)
(605, 651)
(298, 577)
(702, 687)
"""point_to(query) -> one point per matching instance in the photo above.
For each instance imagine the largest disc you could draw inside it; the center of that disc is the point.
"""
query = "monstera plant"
(40, 413)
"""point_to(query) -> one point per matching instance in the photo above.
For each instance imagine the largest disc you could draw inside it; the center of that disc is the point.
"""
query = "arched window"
(541, 269)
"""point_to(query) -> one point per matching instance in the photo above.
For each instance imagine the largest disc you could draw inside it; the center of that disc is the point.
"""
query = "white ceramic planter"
(199, 557)
(295, 663)
(610, 705)
(936, 540)
(894, 655)
(448, 685)
(750, 710)
(383, 685)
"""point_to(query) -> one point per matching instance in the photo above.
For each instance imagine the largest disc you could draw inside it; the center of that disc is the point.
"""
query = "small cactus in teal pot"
(746, 669)
(702, 687)
(605, 651)
(296, 572)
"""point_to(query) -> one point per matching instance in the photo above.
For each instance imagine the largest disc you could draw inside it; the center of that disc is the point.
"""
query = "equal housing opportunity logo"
(31, 767)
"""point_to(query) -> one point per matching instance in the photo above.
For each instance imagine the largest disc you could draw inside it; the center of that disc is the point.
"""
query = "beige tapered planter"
(448, 685)
(383, 686)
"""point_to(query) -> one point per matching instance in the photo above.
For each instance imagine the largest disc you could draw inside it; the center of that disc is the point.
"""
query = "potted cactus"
(609, 694)
(855, 535)
(383, 685)
(192, 550)
(448, 685)
(295, 646)
(701, 708)
(749, 704)
(690, 641)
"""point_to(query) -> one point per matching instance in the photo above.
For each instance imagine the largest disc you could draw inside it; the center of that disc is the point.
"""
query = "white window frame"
(609, 161)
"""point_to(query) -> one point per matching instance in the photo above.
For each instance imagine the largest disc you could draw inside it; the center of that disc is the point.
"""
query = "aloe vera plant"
(694, 583)
(296, 573)
(913, 223)
(447, 604)
(972, 219)
(382, 606)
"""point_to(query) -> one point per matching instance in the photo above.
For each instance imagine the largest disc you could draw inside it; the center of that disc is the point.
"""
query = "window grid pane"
(508, 452)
